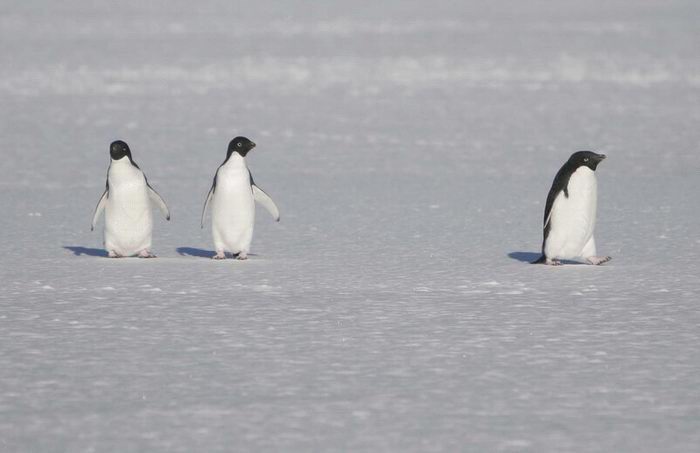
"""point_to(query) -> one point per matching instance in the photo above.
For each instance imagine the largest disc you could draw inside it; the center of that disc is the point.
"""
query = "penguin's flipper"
(157, 199)
(206, 202)
(100, 207)
(264, 199)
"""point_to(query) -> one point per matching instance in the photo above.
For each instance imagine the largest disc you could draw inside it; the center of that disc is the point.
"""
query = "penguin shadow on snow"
(530, 257)
(202, 253)
(79, 251)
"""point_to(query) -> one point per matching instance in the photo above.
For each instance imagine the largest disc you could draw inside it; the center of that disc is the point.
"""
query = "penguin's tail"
(541, 260)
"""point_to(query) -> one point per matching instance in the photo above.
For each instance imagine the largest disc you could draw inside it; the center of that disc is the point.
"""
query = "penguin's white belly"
(573, 219)
(128, 217)
(233, 212)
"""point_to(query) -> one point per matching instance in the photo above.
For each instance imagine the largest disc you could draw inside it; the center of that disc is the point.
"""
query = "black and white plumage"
(232, 199)
(126, 203)
(570, 212)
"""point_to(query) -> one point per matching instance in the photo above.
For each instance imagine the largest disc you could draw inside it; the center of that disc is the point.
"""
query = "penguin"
(126, 202)
(232, 197)
(570, 212)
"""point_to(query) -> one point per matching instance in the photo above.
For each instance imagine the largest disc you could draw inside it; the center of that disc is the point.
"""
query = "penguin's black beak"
(252, 145)
(601, 157)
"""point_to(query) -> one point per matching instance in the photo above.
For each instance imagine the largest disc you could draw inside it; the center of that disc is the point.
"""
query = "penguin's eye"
(239, 145)
(585, 159)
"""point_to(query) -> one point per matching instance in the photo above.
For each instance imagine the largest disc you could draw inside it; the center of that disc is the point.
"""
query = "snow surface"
(410, 147)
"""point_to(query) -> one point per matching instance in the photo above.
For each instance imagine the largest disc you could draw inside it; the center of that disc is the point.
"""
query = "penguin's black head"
(119, 149)
(240, 145)
(586, 158)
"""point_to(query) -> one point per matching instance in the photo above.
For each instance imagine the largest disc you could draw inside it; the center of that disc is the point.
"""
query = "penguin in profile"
(232, 197)
(570, 212)
(127, 204)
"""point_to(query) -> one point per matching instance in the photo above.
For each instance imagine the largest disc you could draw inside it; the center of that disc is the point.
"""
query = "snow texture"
(410, 146)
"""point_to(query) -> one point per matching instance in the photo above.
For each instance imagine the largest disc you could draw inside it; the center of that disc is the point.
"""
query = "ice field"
(409, 146)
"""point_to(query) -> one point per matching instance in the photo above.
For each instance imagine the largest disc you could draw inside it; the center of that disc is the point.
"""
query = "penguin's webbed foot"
(552, 262)
(598, 260)
(242, 256)
(146, 254)
(113, 254)
(219, 256)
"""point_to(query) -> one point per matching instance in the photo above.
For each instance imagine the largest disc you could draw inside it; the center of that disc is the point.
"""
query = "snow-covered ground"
(410, 146)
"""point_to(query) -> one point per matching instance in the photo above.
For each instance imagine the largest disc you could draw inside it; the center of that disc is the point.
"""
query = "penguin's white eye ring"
(585, 159)
(239, 145)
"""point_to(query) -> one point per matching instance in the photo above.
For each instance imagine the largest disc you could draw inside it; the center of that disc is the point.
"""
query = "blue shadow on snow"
(201, 253)
(191, 251)
(525, 257)
(78, 251)
(529, 257)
